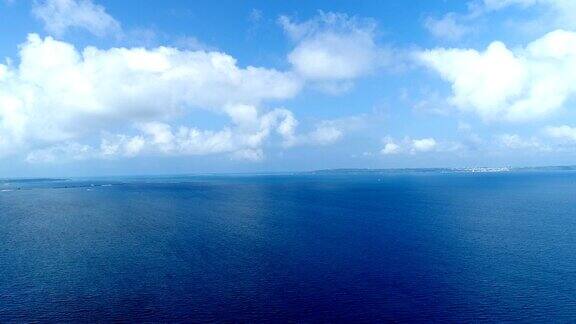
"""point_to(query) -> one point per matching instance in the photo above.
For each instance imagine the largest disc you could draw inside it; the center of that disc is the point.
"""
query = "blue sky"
(132, 87)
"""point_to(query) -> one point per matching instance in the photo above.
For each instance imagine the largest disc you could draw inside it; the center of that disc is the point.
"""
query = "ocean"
(406, 247)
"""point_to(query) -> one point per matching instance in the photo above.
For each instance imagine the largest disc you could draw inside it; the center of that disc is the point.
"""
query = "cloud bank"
(57, 96)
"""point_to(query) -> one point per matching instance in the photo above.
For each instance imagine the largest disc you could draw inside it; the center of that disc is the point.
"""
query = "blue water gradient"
(405, 247)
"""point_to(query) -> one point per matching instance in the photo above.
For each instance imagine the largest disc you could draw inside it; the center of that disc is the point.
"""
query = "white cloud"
(121, 145)
(564, 133)
(500, 83)
(59, 16)
(515, 142)
(390, 148)
(192, 141)
(58, 94)
(491, 5)
(545, 15)
(424, 145)
(539, 16)
(448, 27)
(70, 150)
(327, 132)
(412, 146)
(247, 134)
(333, 47)
(325, 135)
(111, 147)
(564, 139)
(552, 14)
(561, 9)
(243, 140)
(139, 82)
(255, 15)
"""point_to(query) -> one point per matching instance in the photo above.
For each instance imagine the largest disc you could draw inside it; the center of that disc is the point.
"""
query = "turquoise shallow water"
(406, 247)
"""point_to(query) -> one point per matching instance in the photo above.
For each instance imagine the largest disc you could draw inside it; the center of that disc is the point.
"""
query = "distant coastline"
(336, 171)
(442, 170)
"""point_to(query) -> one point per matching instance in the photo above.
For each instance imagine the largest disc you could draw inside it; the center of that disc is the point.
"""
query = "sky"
(102, 87)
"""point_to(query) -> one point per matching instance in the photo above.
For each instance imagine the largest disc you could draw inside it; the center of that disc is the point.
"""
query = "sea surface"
(407, 247)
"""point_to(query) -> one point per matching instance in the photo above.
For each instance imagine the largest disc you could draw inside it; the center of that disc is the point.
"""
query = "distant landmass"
(443, 170)
(27, 180)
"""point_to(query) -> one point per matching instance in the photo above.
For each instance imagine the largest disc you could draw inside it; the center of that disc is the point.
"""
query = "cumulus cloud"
(411, 146)
(333, 47)
(57, 96)
(424, 145)
(247, 133)
(121, 145)
(59, 16)
(563, 133)
(501, 83)
(390, 148)
(242, 140)
(135, 82)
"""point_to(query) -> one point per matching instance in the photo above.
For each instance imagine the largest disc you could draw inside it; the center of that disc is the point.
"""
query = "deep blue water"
(405, 247)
